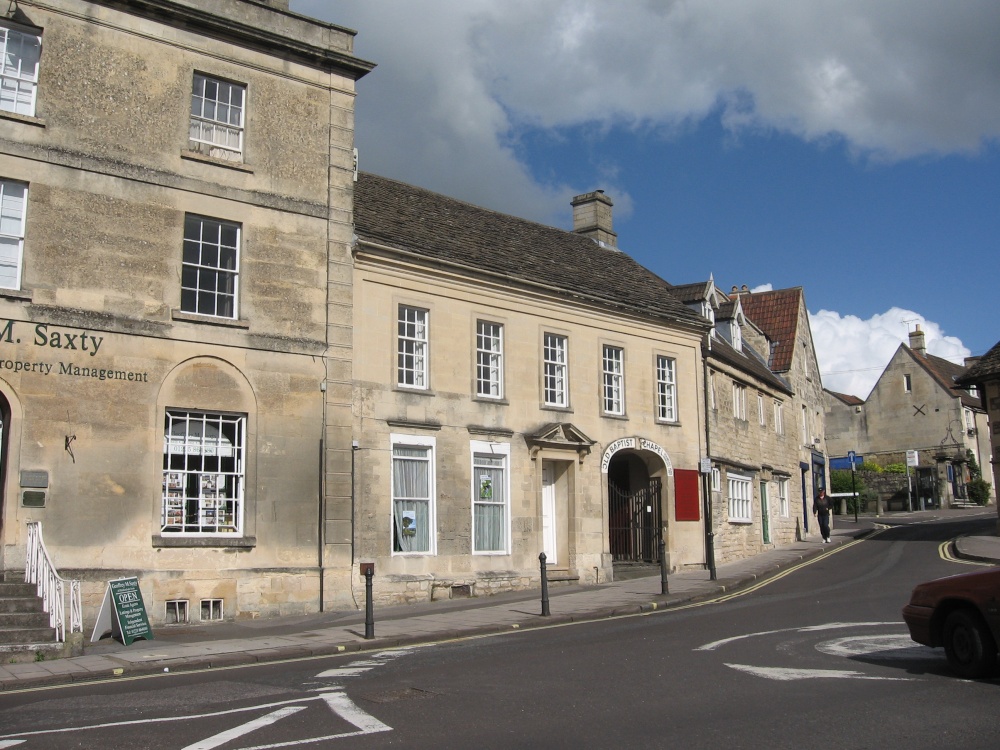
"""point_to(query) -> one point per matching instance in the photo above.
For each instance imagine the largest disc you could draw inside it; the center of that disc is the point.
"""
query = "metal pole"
(855, 493)
(369, 608)
(664, 589)
(545, 585)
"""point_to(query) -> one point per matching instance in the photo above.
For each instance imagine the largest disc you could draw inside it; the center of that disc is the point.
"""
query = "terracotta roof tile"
(946, 373)
(987, 368)
(777, 315)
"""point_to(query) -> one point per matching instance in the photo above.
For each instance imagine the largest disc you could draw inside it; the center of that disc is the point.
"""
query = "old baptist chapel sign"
(65, 341)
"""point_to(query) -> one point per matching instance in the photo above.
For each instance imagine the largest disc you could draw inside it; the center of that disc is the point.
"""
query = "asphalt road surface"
(818, 657)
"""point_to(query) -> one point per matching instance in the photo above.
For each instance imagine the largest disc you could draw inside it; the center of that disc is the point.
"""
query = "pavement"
(216, 645)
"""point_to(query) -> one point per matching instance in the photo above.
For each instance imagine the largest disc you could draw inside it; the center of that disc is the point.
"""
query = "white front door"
(549, 514)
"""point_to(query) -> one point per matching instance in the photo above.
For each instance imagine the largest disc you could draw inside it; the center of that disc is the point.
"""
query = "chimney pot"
(592, 217)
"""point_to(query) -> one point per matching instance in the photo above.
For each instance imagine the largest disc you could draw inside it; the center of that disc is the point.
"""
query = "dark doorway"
(634, 512)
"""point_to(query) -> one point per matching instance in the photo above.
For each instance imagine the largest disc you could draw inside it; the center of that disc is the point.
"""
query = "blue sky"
(849, 147)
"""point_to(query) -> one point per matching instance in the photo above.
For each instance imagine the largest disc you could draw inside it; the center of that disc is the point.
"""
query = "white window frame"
(489, 360)
(485, 497)
(783, 497)
(429, 446)
(779, 418)
(736, 335)
(19, 71)
(210, 269)
(13, 209)
(907, 383)
(412, 347)
(204, 473)
(666, 388)
(716, 479)
(761, 417)
(740, 497)
(218, 111)
(613, 380)
(806, 436)
(739, 401)
(555, 369)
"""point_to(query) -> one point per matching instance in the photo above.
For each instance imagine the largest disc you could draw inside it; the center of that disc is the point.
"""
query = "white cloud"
(459, 80)
(853, 352)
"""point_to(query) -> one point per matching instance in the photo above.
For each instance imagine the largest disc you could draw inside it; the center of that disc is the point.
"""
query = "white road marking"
(882, 647)
(351, 671)
(785, 674)
(231, 734)
(346, 709)
(828, 626)
(10, 743)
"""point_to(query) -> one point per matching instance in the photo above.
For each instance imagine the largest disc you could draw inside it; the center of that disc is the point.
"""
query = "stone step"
(17, 588)
(10, 604)
(30, 652)
(24, 620)
(15, 636)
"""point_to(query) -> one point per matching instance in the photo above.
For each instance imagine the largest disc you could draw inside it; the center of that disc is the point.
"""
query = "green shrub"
(979, 491)
(894, 468)
(874, 468)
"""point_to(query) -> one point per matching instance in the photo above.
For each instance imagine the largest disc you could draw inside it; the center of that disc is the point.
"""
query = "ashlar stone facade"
(177, 186)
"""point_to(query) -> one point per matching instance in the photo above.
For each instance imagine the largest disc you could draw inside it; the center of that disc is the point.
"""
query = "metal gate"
(634, 523)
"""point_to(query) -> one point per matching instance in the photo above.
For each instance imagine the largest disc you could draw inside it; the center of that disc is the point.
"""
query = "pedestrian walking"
(821, 509)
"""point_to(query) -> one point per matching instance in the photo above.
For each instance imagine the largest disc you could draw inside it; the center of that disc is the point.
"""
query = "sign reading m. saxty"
(64, 341)
(123, 613)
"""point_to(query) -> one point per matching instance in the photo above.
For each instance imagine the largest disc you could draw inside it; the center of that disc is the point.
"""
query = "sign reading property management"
(123, 613)
(65, 341)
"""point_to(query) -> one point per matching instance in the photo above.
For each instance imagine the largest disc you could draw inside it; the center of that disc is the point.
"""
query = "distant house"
(915, 406)
(518, 389)
(984, 376)
(763, 473)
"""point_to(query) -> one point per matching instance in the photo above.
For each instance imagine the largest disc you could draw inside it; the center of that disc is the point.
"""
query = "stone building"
(175, 310)
(763, 470)
(915, 406)
(983, 375)
(519, 389)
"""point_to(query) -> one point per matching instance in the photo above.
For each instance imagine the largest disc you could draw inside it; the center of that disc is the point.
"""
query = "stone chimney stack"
(917, 341)
(592, 217)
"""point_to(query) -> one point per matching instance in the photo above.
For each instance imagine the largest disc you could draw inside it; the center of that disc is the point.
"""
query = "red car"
(961, 613)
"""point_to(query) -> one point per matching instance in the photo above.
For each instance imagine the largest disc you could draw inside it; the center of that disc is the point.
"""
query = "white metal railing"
(52, 588)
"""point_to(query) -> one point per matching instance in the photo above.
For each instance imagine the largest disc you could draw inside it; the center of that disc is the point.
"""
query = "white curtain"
(489, 504)
(411, 498)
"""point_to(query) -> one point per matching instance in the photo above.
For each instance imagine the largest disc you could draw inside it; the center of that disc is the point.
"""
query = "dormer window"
(736, 335)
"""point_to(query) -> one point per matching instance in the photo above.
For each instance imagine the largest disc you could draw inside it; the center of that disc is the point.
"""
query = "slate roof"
(846, 398)
(474, 239)
(691, 293)
(987, 368)
(776, 313)
(946, 374)
(747, 361)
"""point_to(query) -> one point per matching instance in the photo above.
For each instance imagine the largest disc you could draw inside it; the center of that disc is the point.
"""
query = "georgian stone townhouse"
(175, 357)
(519, 390)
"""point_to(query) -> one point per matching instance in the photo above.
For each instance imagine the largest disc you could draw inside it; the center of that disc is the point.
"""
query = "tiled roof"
(747, 362)
(689, 293)
(987, 368)
(479, 241)
(846, 398)
(777, 315)
(945, 373)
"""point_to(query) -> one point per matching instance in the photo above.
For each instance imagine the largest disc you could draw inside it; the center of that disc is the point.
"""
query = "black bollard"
(664, 589)
(369, 570)
(545, 585)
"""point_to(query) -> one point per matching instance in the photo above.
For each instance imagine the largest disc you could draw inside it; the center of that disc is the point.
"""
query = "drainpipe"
(706, 479)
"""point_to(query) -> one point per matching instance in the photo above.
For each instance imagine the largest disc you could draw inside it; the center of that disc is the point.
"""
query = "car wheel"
(969, 645)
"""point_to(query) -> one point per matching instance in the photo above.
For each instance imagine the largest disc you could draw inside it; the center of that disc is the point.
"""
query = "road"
(817, 657)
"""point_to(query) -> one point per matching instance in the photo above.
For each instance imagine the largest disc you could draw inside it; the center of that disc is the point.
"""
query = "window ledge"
(171, 540)
(619, 417)
(16, 294)
(668, 423)
(239, 166)
(209, 319)
(26, 119)
(553, 407)
(490, 400)
(740, 521)
(412, 389)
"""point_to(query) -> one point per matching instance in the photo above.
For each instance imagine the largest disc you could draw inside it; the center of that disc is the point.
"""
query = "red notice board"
(687, 501)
